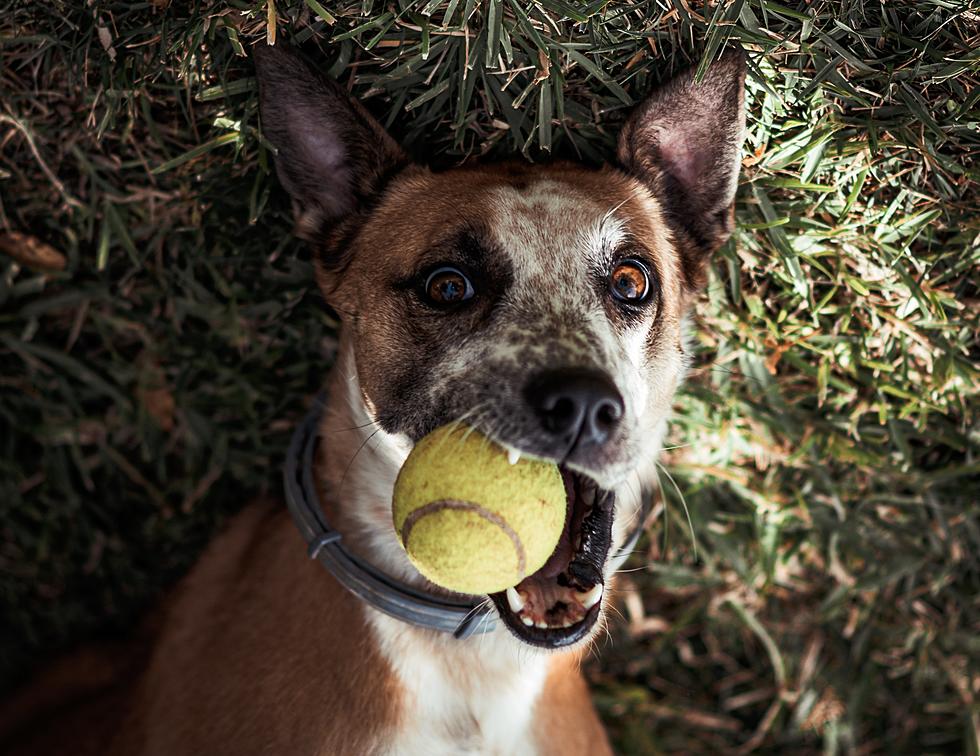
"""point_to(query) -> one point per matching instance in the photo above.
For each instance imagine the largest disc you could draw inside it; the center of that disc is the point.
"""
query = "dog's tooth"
(527, 620)
(542, 624)
(590, 597)
(513, 456)
(514, 601)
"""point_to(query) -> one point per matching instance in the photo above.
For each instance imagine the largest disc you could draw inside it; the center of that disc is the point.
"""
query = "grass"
(159, 332)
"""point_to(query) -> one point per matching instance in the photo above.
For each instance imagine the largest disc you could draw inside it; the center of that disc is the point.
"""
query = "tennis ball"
(471, 521)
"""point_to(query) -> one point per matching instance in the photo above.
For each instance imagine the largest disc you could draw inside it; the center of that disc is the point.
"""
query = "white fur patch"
(472, 696)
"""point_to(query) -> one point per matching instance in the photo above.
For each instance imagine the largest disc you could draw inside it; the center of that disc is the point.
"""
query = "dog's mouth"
(559, 604)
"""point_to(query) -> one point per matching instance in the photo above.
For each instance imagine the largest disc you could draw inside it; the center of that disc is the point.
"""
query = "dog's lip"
(599, 477)
(558, 605)
(551, 637)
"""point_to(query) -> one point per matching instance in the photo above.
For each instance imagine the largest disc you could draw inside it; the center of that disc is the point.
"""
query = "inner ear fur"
(684, 143)
(332, 157)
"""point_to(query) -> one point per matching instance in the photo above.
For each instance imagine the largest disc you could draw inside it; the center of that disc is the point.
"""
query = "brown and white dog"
(544, 305)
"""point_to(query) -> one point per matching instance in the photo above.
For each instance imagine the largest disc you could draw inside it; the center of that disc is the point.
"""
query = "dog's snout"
(580, 406)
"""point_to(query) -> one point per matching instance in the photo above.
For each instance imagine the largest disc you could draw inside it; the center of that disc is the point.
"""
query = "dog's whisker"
(485, 619)
(687, 512)
(629, 570)
(368, 424)
(350, 464)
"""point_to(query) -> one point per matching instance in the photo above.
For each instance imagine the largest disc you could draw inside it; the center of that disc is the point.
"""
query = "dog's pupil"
(629, 282)
(448, 288)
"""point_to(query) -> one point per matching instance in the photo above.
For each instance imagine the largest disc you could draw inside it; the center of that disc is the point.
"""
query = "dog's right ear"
(333, 157)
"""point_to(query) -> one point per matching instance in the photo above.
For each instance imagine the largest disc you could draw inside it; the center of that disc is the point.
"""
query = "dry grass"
(159, 332)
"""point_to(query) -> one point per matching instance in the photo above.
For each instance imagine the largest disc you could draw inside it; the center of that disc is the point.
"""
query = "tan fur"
(566, 724)
(258, 651)
(75, 701)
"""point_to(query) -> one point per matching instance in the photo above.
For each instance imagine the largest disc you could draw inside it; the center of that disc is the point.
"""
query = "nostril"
(608, 413)
(564, 408)
(559, 413)
(580, 404)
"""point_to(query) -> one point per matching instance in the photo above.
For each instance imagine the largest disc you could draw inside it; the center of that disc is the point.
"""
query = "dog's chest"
(461, 697)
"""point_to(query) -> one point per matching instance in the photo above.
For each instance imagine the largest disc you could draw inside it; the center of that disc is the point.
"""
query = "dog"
(544, 305)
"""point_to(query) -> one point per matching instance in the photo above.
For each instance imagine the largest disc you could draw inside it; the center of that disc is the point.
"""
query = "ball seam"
(467, 506)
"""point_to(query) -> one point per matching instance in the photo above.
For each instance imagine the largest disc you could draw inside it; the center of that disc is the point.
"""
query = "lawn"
(811, 581)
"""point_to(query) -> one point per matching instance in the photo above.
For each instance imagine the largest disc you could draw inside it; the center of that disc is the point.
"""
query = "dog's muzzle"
(586, 546)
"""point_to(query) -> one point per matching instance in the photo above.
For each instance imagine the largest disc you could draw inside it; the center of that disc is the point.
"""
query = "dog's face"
(542, 305)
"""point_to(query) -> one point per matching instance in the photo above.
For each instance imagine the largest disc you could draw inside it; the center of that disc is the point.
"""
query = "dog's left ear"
(333, 157)
(684, 143)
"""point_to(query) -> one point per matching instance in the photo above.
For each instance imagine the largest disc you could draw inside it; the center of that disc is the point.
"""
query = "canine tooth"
(513, 456)
(527, 621)
(591, 597)
(514, 601)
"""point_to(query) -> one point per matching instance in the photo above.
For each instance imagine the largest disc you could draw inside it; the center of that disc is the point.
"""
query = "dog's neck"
(453, 684)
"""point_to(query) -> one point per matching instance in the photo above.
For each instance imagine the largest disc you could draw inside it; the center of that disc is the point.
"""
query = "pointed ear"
(332, 157)
(684, 143)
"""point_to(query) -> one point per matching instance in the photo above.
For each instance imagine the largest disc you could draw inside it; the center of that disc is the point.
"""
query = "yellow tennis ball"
(471, 521)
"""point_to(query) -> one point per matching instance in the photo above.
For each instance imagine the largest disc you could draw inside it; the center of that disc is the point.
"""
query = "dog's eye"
(447, 286)
(630, 281)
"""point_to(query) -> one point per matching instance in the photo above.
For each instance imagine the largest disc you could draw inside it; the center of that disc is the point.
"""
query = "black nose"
(577, 405)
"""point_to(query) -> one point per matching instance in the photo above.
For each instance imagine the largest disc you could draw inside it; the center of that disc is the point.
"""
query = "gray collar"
(460, 617)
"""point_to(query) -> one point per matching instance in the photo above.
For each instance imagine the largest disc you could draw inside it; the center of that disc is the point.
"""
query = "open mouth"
(559, 604)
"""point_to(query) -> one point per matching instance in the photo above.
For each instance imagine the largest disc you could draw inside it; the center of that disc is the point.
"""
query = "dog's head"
(543, 305)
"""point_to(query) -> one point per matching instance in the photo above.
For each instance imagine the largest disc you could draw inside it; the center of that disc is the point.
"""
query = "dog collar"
(396, 599)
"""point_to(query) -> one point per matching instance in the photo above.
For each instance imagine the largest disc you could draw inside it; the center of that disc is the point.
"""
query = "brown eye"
(447, 286)
(630, 282)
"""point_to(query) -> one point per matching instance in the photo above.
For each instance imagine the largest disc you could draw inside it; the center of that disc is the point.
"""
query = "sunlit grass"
(827, 440)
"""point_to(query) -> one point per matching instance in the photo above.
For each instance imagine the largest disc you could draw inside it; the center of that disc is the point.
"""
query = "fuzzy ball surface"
(471, 521)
